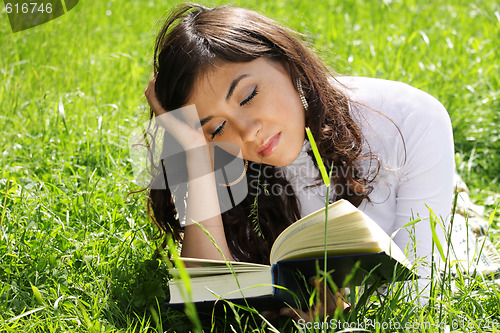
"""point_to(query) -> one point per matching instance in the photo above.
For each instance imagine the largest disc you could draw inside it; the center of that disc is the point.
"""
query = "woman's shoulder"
(397, 120)
(397, 100)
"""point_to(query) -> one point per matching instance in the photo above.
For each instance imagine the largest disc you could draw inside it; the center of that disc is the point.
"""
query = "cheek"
(284, 110)
(294, 116)
(232, 138)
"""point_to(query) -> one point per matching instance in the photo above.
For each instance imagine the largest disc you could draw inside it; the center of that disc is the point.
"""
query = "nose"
(249, 127)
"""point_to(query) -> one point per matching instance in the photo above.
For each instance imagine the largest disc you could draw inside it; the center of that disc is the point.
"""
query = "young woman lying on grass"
(256, 85)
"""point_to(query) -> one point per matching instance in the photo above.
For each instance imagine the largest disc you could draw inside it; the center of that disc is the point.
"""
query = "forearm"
(203, 208)
(203, 203)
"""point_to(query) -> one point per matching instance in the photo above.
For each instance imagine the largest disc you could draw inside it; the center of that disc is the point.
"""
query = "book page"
(350, 231)
(208, 288)
(335, 210)
(207, 267)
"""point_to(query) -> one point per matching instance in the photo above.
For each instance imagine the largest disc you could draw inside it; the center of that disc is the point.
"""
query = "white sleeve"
(426, 179)
(416, 173)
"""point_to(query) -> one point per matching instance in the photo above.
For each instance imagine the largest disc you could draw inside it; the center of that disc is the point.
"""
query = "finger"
(187, 136)
(320, 287)
(295, 314)
(270, 315)
(172, 124)
(333, 299)
(151, 87)
(152, 84)
(153, 101)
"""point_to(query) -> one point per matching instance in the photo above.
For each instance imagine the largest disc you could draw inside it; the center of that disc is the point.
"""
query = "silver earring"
(301, 94)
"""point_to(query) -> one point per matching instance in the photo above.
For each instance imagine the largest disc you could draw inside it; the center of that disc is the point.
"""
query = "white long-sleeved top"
(410, 132)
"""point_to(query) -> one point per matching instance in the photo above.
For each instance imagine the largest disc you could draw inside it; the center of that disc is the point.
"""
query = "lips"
(269, 146)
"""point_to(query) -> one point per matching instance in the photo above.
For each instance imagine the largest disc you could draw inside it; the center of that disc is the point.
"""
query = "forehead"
(216, 79)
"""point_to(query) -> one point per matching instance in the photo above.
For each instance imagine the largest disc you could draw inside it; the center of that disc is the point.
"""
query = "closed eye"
(219, 130)
(250, 97)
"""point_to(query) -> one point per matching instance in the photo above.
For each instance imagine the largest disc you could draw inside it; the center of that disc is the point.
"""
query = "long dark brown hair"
(191, 40)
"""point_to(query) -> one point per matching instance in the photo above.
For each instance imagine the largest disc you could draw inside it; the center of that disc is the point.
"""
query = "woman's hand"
(334, 301)
(180, 123)
(153, 101)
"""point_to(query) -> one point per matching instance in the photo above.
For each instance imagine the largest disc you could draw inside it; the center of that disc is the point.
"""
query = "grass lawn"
(75, 251)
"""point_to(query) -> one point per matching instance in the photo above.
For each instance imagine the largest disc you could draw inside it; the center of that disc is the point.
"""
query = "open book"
(353, 240)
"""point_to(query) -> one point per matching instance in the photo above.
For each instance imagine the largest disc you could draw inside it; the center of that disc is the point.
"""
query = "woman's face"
(254, 105)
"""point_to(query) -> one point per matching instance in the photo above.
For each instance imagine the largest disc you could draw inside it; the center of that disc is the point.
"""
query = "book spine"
(289, 287)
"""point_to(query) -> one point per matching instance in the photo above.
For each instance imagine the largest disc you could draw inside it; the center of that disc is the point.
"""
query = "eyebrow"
(205, 120)
(233, 85)
(228, 96)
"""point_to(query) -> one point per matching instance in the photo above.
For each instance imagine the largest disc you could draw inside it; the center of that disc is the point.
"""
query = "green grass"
(75, 253)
